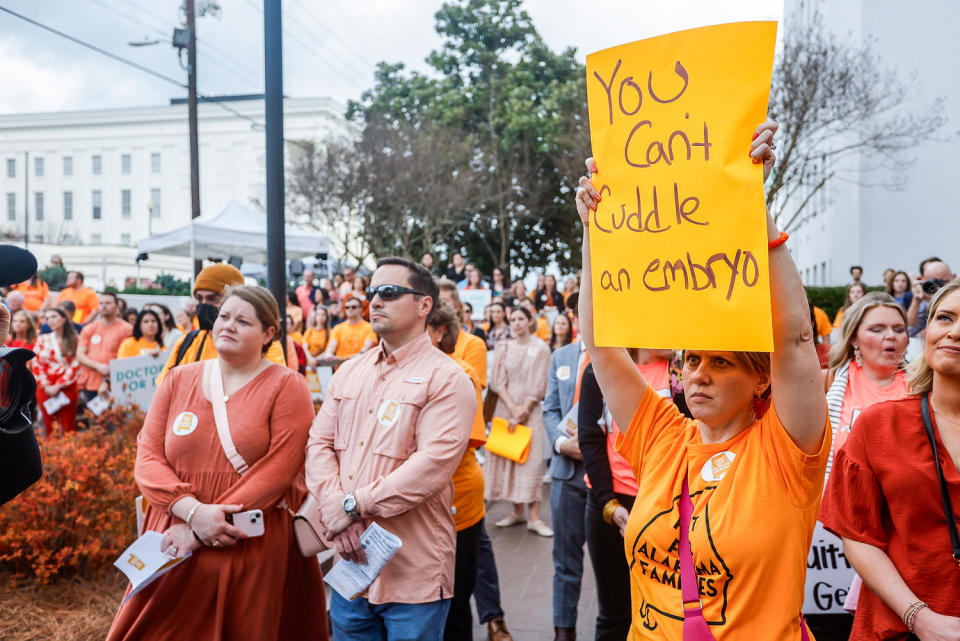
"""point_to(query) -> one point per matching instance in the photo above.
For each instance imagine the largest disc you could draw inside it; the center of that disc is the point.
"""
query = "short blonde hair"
(842, 352)
(919, 373)
(264, 304)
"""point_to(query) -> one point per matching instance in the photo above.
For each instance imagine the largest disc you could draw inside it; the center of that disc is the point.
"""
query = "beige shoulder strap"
(220, 416)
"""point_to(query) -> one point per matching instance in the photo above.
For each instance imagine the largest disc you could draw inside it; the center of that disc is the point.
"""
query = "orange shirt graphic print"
(660, 569)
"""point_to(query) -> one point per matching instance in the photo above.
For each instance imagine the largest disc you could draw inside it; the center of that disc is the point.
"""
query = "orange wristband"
(773, 244)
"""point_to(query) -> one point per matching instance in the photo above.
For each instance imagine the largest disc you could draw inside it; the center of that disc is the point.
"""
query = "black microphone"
(16, 265)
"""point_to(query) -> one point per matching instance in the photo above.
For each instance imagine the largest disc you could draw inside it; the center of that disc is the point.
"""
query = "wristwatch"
(350, 506)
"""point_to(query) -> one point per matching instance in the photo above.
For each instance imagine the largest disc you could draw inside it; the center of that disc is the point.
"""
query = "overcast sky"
(330, 46)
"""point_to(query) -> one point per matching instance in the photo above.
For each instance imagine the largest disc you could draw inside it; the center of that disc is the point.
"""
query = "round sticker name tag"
(185, 423)
(389, 413)
(532, 351)
(95, 339)
(716, 467)
(563, 372)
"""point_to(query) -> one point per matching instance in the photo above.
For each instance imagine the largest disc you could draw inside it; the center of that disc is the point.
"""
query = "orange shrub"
(80, 515)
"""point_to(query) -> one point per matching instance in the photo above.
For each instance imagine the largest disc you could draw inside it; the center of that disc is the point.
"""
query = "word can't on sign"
(681, 221)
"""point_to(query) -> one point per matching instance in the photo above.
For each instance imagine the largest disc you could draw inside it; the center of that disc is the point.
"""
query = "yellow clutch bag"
(515, 446)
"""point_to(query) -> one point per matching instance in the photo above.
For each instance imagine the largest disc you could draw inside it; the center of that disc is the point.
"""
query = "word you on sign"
(678, 241)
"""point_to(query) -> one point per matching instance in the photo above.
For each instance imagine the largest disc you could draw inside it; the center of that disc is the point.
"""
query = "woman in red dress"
(232, 587)
(56, 370)
(884, 496)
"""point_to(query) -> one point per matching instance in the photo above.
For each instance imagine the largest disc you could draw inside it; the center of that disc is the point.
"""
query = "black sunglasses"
(390, 292)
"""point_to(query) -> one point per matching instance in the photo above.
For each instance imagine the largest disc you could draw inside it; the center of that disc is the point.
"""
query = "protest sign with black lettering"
(829, 574)
(678, 242)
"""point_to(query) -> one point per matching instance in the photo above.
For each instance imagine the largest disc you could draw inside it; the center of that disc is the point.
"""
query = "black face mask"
(207, 315)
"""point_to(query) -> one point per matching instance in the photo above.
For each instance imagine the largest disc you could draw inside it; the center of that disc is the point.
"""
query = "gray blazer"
(558, 402)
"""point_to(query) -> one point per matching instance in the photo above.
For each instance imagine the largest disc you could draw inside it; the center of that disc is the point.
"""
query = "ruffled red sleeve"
(853, 504)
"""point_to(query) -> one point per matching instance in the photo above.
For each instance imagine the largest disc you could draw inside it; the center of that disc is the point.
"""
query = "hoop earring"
(857, 356)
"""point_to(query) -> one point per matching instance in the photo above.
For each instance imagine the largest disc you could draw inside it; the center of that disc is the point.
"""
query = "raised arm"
(621, 383)
(794, 366)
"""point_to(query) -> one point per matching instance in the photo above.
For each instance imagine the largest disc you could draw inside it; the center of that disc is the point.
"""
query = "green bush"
(829, 299)
(164, 284)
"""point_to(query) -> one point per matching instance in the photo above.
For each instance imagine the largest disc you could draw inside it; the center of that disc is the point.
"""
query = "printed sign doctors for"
(681, 227)
(133, 380)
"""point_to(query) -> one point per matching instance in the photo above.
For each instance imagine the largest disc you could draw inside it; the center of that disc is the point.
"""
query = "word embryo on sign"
(680, 224)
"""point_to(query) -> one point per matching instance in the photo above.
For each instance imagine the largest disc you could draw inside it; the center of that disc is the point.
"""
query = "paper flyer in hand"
(569, 421)
(144, 563)
(350, 579)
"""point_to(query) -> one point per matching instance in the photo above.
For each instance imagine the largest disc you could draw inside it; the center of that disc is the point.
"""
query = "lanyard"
(944, 492)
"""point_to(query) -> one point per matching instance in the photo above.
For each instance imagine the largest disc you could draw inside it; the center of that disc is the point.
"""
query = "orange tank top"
(860, 394)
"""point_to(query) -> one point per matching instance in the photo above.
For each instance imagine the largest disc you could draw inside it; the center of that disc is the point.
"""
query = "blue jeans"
(568, 503)
(360, 620)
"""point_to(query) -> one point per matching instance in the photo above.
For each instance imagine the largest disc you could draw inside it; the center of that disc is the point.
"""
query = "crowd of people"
(694, 478)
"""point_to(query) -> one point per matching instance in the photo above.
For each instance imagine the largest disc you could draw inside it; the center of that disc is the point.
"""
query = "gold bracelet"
(911, 613)
(190, 514)
(609, 508)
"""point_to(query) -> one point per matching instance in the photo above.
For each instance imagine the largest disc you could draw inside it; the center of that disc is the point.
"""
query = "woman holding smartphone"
(234, 586)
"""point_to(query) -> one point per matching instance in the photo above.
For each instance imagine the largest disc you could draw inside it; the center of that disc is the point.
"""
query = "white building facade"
(862, 221)
(93, 183)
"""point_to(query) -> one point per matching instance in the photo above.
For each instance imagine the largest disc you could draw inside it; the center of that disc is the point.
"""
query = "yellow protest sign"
(678, 243)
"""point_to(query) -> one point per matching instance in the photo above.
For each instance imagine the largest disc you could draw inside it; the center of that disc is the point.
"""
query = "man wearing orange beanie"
(197, 345)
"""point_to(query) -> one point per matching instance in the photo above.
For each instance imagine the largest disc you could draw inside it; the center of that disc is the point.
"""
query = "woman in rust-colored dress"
(232, 587)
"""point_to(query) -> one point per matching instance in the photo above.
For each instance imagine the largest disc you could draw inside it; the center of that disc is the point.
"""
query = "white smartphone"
(251, 522)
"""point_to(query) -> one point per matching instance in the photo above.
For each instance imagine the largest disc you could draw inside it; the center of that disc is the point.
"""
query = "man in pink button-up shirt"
(393, 427)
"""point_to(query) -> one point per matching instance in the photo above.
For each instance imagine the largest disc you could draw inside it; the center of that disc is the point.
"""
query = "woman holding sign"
(739, 484)
(219, 451)
(519, 379)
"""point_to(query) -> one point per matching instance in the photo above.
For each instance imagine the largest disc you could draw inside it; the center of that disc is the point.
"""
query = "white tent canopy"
(235, 231)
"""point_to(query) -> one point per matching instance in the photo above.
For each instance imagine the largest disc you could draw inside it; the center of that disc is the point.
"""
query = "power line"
(349, 63)
(307, 48)
(129, 63)
(87, 45)
(333, 33)
(166, 35)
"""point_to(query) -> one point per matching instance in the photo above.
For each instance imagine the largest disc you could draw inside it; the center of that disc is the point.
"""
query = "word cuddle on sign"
(678, 241)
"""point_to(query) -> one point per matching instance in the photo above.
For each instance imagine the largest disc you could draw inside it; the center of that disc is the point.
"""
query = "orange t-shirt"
(350, 338)
(824, 327)
(838, 319)
(755, 500)
(861, 393)
(102, 343)
(657, 376)
(543, 329)
(473, 350)
(84, 298)
(133, 346)
(468, 506)
(316, 340)
(33, 297)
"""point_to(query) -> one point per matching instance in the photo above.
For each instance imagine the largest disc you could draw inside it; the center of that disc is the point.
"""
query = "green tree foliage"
(480, 156)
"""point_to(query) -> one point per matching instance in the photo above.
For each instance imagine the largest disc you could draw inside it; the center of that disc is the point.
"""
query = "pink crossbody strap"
(695, 627)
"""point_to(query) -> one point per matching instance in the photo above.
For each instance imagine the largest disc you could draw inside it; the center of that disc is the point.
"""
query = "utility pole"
(273, 73)
(26, 200)
(192, 119)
